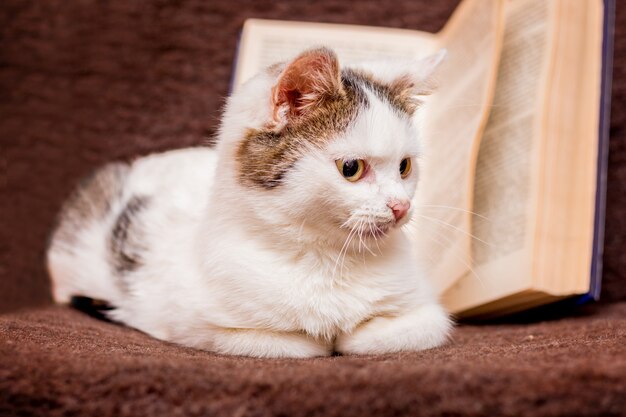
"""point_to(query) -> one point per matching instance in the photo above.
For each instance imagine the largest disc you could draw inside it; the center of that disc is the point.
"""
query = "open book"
(511, 202)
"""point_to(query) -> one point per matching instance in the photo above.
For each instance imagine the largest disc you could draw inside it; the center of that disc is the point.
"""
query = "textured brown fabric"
(56, 362)
(85, 82)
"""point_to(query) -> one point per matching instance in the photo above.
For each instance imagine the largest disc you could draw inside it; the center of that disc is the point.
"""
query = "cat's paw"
(423, 328)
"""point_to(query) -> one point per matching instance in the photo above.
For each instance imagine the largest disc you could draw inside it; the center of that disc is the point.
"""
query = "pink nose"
(399, 208)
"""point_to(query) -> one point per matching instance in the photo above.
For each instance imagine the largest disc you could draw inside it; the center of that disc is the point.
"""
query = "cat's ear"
(406, 80)
(416, 79)
(304, 83)
(426, 68)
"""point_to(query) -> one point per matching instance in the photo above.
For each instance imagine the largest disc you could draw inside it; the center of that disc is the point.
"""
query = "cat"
(286, 239)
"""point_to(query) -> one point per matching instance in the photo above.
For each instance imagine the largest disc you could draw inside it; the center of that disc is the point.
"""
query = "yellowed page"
(265, 42)
(504, 172)
(453, 123)
(566, 185)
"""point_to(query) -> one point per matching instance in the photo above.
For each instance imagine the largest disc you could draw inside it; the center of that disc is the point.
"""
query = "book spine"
(603, 149)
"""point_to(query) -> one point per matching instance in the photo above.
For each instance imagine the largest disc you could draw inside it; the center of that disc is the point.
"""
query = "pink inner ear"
(305, 82)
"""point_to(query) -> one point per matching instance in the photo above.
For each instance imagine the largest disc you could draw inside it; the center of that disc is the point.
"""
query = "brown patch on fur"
(91, 200)
(126, 242)
(265, 155)
(401, 94)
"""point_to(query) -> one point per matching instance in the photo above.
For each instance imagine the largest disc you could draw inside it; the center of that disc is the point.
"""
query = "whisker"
(360, 234)
(443, 223)
(368, 223)
(457, 256)
(345, 253)
(300, 231)
(375, 230)
(345, 245)
(427, 206)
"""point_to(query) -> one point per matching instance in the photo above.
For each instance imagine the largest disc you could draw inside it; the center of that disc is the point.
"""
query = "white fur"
(265, 273)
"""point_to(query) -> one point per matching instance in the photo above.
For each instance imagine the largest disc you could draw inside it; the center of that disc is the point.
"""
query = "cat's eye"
(405, 167)
(352, 169)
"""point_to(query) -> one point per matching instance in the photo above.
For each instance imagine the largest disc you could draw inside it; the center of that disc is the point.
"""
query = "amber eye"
(351, 169)
(405, 167)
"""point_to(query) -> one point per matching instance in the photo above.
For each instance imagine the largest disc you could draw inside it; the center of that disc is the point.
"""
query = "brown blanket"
(56, 361)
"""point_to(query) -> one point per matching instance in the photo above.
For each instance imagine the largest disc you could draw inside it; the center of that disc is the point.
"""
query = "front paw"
(268, 344)
(423, 328)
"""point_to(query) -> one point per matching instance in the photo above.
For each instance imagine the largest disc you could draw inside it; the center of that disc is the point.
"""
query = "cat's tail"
(77, 257)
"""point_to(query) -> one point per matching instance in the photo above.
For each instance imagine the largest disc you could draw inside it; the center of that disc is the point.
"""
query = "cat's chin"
(383, 230)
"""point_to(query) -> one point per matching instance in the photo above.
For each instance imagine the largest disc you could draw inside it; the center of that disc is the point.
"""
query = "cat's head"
(325, 150)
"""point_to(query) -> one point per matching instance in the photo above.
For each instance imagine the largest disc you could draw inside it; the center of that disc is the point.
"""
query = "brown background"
(85, 82)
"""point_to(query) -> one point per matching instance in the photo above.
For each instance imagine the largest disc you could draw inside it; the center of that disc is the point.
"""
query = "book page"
(266, 42)
(503, 172)
(566, 186)
(504, 169)
(453, 122)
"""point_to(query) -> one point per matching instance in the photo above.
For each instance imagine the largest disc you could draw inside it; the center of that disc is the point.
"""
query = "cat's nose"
(399, 208)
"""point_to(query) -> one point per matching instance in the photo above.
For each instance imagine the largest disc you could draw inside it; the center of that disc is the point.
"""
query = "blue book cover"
(603, 150)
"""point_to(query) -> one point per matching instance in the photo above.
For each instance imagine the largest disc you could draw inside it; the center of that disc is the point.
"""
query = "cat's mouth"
(378, 230)
(369, 226)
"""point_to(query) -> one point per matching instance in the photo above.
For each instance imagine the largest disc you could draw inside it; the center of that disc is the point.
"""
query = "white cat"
(284, 241)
